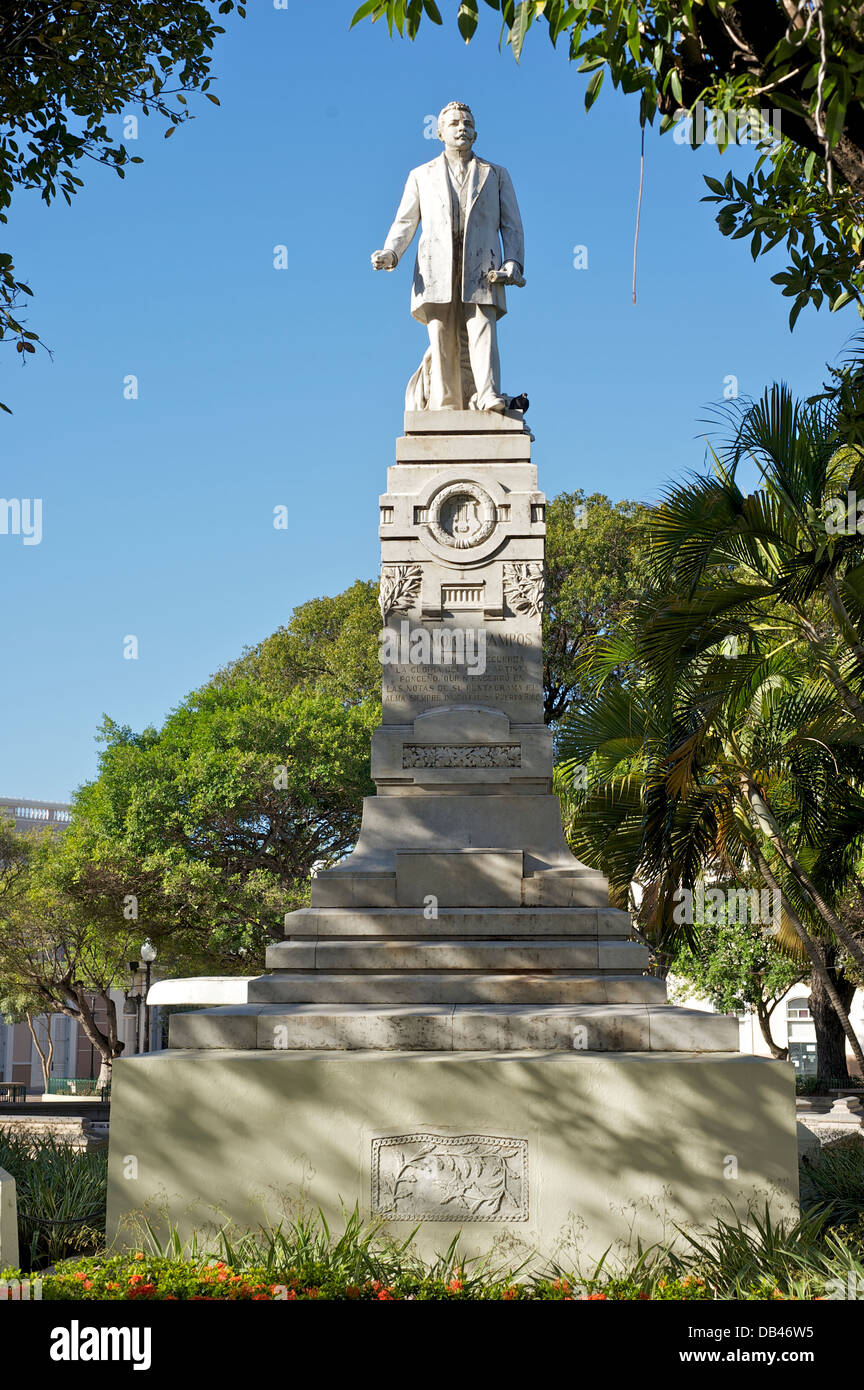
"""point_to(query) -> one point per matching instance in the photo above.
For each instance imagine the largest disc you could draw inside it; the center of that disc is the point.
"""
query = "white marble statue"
(469, 216)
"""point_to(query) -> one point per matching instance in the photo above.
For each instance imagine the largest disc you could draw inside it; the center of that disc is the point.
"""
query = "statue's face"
(457, 131)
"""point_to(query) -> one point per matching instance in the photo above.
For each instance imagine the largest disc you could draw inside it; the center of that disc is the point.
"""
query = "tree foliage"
(67, 69)
(738, 967)
(596, 566)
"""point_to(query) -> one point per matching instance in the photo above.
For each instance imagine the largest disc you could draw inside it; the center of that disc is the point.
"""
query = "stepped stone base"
(459, 1030)
(559, 1152)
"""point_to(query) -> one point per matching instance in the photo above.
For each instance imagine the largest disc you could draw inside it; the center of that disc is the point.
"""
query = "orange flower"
(592, 1296)
(509, 1293)
(139, 1254)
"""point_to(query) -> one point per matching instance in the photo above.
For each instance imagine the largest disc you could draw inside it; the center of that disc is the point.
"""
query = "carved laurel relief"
(465, 1177)
(524, 586)
(399, 589)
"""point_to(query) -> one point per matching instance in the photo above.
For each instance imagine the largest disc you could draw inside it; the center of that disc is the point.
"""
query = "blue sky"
(261, 387)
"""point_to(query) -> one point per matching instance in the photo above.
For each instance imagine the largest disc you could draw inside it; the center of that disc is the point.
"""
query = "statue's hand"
(383, 260)
(509, 274)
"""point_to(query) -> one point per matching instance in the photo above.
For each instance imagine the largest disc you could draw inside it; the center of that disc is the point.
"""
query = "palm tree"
(734, 741)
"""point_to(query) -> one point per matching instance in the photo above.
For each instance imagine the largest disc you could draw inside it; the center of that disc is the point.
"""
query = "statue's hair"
(454, 106)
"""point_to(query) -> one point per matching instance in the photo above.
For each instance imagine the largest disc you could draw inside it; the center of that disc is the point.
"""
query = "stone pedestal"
(562, 1153)
(461, 936)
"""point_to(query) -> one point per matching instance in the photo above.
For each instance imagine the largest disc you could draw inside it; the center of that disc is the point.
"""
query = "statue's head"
(456, 126)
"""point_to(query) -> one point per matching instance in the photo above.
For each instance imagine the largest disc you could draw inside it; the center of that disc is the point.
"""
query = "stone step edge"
(611, 986)
(433, 943)
(450, 923)
(647, 1027)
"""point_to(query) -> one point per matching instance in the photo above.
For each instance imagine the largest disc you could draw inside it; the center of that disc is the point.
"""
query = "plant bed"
(303, 1262)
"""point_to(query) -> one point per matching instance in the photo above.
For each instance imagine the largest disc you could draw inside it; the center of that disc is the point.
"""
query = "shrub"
(61, 1193)
(833, 1183)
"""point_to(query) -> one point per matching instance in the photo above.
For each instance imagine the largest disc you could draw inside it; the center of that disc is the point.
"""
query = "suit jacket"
(492, 222)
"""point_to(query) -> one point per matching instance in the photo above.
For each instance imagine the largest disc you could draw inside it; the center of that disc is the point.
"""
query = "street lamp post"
(148, 955)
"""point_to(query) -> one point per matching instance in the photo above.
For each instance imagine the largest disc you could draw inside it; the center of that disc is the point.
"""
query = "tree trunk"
(46, 1057)
(106, 1044)
(814, 951)
(763, 1014)
(830, 1037)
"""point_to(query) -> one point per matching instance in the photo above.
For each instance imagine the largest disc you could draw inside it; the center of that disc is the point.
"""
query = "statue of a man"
(470, 216)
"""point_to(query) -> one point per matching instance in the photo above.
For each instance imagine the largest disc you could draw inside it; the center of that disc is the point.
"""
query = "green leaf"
(367, 8)
(520, 26)
(593, 88)
(467, 18)
(841, 300)
(433, 12)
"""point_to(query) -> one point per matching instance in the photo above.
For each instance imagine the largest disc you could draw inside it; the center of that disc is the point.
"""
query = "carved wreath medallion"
(462, 515)
(464, 1177)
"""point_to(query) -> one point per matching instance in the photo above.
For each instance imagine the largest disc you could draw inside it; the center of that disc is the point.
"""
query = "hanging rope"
(639, 207)
(807, 11)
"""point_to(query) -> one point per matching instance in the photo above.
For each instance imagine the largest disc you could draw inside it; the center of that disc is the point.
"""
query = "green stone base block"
(563, 1153)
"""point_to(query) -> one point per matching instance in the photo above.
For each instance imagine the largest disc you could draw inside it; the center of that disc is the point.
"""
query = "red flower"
(142, 1291)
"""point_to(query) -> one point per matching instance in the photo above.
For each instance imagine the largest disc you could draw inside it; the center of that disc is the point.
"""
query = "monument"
(458, 1031)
